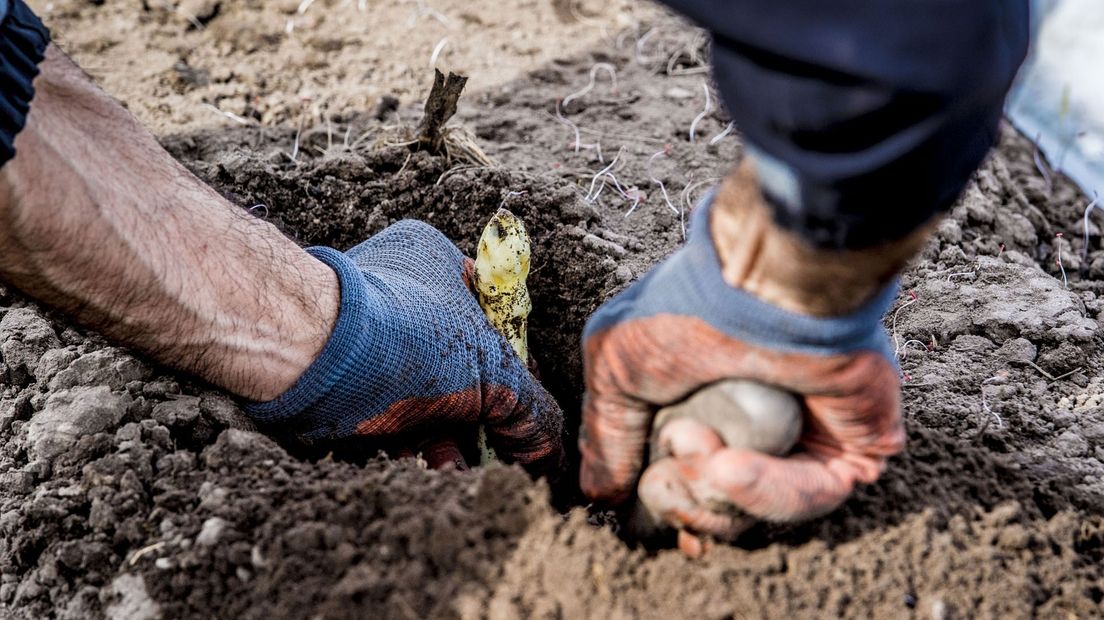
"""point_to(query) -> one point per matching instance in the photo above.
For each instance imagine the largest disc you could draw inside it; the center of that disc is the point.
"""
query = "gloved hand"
(683, 327)
(413, 353)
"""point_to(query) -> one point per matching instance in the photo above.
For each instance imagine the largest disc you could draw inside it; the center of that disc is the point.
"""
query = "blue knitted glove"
(683, 327)
(412, 352)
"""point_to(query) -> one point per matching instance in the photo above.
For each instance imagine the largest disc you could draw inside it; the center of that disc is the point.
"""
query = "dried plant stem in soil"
(440, 106)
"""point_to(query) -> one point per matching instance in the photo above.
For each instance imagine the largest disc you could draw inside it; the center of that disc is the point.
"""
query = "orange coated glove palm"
(682, 328)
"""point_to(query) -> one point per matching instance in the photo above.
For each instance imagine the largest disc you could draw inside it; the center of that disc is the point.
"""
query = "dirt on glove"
(128, 491)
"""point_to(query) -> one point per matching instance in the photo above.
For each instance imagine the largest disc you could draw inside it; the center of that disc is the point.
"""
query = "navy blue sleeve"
(23, 41)
(864, 117)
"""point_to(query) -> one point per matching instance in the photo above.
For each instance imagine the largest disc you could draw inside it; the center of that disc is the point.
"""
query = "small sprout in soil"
(299, 131)
(1088, 210)
(721, 136)
(406, 162)
(691, 52)
(437, 51)
(688, 200)
(295, 145)
(563, 120)
(985, 403)
(1040, 370)
(599, 66)
(422, 9)
(1062, 267)
(592, 195)
(1064, 375)
(704, 113)
(641, 59)
(688, 57)
(619, 42)
(598, 184)
(452, 171)
(636, 196)
(197, 21)
(241, 120)
(960, 273)
(663, 188)
(651, 176)
(253, 211)
(896, 341)
(598, 193)
(1049, 376)
(506, 196)
(137, 555)
(915, 343)
(568, 13)
(630, 193)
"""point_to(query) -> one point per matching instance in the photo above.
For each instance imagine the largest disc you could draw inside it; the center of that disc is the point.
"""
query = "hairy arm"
(98, 220)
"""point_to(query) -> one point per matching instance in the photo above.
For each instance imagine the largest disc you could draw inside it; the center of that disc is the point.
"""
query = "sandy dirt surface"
(127, 491)
(191, 63)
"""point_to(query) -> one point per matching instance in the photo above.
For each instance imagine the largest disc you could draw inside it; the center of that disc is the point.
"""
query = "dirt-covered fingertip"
(787, 489)
(684, 437)
(443, 454)
(530, 433)
(467, 273)
(693, 546)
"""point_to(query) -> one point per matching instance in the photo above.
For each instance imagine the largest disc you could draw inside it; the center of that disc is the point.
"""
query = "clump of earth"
(130, 491)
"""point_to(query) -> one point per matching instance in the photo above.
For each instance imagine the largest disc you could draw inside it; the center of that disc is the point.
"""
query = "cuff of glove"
(745, 316)
(23, 41)
(348, 344)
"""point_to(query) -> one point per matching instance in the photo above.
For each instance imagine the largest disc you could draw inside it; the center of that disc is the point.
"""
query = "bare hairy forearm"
(96, 219)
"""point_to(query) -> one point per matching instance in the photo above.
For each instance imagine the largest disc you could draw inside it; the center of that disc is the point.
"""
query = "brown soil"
(131, 492)
(305, 61)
